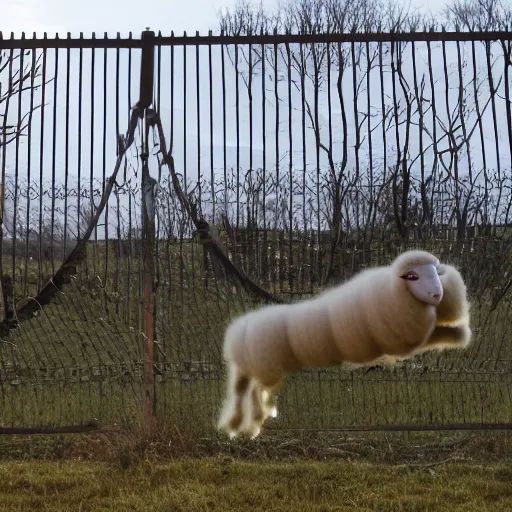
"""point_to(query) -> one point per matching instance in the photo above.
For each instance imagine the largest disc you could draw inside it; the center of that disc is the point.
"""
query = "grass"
(122, 470)
(224, 484)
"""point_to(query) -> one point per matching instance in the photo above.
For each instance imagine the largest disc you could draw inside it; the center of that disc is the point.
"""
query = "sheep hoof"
(255, 433)
(273, 412)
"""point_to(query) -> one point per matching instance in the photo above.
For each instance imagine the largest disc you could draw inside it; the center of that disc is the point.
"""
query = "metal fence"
(154, 188)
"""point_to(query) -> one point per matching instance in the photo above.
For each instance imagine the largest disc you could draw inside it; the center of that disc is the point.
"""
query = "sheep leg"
(254, 414)
(258, 405)
(232, 414)
(445, 337)
(270, 404)
(258, 408)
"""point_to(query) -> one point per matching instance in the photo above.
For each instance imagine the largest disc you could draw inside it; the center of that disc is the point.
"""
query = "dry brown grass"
(127, 448)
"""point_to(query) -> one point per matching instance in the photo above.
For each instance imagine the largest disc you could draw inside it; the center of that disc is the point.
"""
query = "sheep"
(390, 312)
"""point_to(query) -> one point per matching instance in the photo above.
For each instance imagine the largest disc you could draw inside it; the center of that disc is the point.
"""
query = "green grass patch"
(224, 484)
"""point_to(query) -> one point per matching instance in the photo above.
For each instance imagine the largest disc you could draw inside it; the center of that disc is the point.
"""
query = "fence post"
(3, 305)
(148, 225)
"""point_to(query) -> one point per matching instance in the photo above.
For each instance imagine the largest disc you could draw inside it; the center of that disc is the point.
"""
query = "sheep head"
(419, 271)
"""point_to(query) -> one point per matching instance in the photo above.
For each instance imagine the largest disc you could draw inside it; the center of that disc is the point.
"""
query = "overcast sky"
(111, 16)
(62, 16)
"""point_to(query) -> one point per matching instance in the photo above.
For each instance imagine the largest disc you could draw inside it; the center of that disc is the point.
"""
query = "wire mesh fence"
(269, 167)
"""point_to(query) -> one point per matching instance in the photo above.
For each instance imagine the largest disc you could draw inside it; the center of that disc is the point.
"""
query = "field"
(214, 484)
(95, 474)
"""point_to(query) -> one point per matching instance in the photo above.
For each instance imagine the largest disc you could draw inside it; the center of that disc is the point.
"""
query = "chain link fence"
(154, 188)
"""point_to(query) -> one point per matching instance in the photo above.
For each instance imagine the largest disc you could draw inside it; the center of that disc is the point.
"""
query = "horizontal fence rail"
(155, 188)
(33, 43)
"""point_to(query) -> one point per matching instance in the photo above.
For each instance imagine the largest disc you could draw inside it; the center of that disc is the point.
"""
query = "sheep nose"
(435, 295)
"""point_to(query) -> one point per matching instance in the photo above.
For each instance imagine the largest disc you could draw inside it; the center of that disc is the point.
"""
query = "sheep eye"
(410, 276)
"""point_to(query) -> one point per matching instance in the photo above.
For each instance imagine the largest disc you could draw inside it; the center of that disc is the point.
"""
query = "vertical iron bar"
(91, 158)
(480, 129)
(434, 130)
(316, 94)
(290, 175)
(276, 249)
(460, 66)
(130, 246)
(159, 90)
(355, 86)
(198, 125)
(171, 233)
(329, 102)
(120, 253)
(507, 65)
(157, 298)
(104, 168)
(384, 116)
(148, 230)
(16, 179)
(148, 225)
(506, 69)
(79, 145)
(212, 176)
(182, 228)
(494, 118)
(41, 167)
(252, 228)
(66, 156)
(171, 137)
(371, 211)
(450, 137)
(29, 177)
(304, 159)
(54, 151)
(160, 404)
(334, 237)
(185, 118)
(3, 146)
(237, 103)
(398, 161)
(262, 252)
(224, 148)
(419, 98)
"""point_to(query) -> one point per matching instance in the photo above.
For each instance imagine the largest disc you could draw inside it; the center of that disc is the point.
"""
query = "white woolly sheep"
(390, 312)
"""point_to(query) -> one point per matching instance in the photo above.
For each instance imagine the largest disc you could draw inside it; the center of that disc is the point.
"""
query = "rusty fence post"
(148, 226)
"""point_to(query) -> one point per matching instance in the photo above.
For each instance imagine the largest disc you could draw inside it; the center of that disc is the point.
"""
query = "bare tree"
(428, 181)
(481, 15)
(318, 68)
(19, 71)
